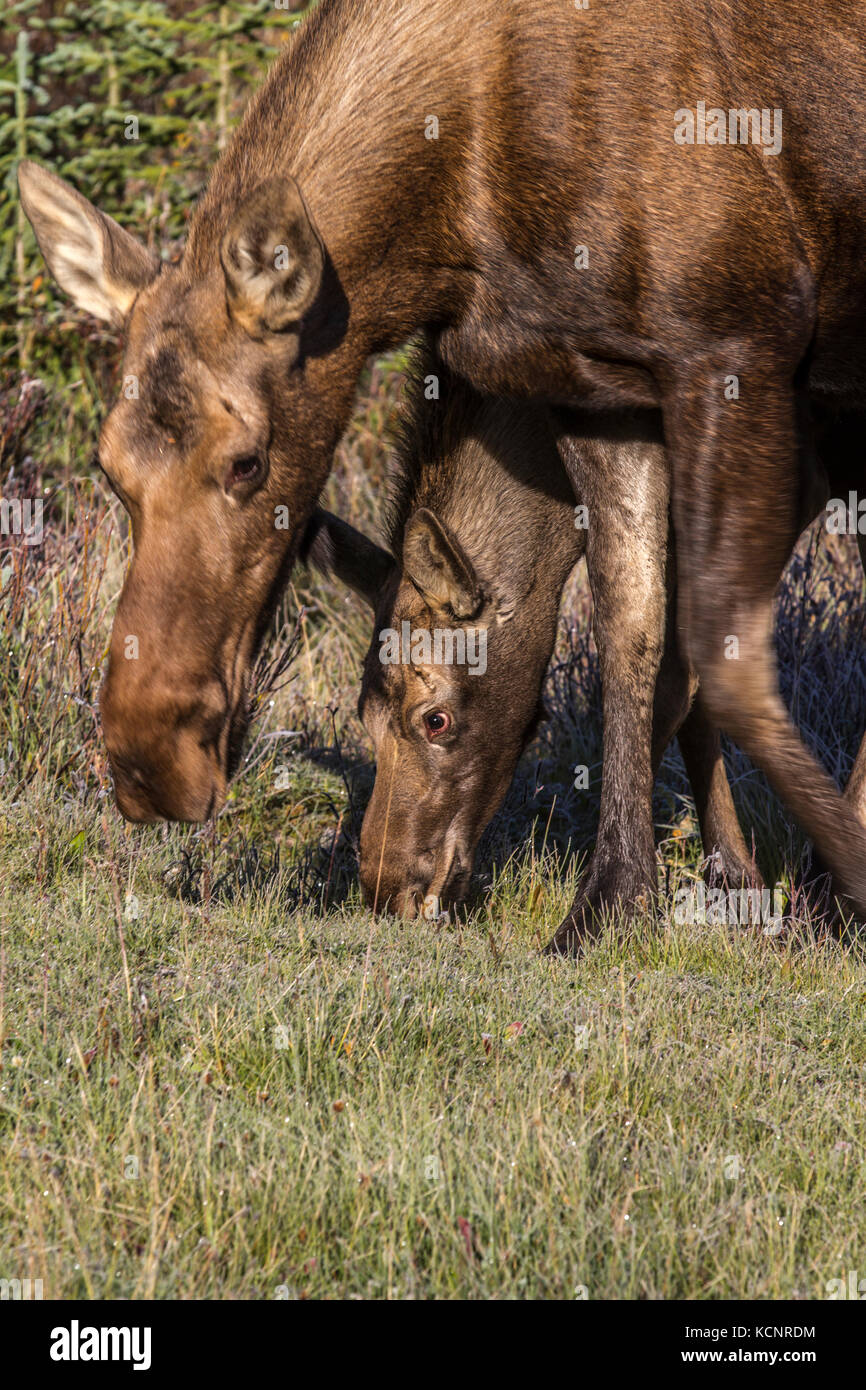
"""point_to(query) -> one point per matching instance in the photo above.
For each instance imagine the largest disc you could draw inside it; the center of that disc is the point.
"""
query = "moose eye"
(436, 723)
(248, 469)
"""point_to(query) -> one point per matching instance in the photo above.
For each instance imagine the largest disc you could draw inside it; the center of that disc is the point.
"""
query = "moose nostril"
(127, 767)
(134, 798)
(130, 773)
(385, 895)
(411, 903)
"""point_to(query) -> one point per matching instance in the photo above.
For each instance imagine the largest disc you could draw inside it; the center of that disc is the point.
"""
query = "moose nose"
(419, 875)
(411, 897)
(181, 789)
(387, 890)
(165, 767)
(133, 795)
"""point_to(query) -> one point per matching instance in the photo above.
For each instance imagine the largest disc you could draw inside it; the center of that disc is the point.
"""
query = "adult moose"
(333, 227)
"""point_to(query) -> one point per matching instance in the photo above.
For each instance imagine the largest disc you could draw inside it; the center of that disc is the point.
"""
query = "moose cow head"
(210, 436)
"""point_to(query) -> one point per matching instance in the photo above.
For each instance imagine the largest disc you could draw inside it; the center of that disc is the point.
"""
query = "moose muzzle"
(171, 749)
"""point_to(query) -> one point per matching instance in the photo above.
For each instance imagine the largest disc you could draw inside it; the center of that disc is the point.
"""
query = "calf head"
(212, 431)
(449, 697)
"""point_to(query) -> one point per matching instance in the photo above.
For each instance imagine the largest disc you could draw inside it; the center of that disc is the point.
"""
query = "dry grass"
(221, 1078)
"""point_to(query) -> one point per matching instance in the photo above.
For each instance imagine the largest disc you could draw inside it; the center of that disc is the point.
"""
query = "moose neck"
(349, 111)
(492, 472)
(514, 517)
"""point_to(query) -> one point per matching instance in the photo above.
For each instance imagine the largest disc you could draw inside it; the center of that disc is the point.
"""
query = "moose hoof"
(573, 935)
(602, 898)
(727, 870)
(813, 896)
(817, 900)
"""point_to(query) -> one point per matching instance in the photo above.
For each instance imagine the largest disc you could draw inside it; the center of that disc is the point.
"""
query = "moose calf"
(483, 535)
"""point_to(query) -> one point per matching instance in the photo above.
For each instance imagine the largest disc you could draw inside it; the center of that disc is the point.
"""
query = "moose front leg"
(625, 490)
(677, 711)
(735, 487)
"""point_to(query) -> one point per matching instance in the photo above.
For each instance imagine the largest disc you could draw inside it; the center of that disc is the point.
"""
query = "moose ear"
(335, 547)
(438, 566)
(99, 265)
(272, 259)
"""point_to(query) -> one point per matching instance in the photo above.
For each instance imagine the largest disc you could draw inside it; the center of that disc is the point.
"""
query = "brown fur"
(489, 474)
(556, 130)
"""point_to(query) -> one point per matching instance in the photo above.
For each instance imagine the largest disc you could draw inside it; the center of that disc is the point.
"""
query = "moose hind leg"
(725, 850)
(679, 712)
(735, 475)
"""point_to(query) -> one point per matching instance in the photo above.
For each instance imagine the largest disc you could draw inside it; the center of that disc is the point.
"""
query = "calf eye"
(248, 469)
(436, 723)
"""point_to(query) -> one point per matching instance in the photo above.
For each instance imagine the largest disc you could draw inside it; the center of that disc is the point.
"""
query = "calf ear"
(99, 265)
(335, 547)
(272, 259)
(439, 567)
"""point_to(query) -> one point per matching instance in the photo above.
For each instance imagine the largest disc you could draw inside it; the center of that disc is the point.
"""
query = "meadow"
(220, 1077)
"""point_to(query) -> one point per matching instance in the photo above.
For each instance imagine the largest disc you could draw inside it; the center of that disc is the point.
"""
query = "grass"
(221, 1078)
(252, 1101)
